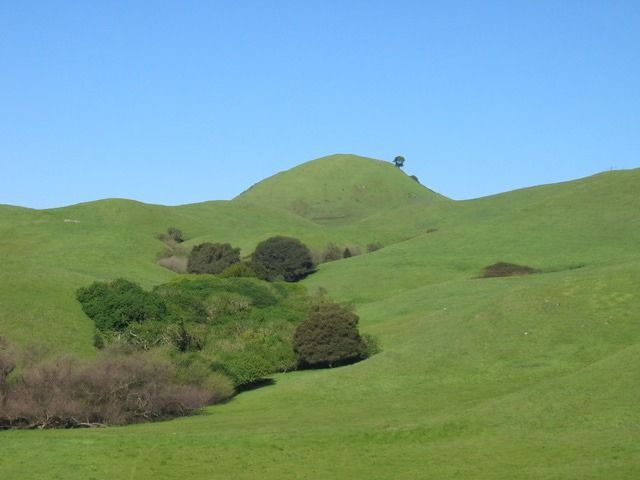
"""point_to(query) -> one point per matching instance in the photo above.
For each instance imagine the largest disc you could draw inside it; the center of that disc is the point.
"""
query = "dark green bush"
(117, 304)
(329, 337)
(212, 258)
(504, 269)
(283, 258)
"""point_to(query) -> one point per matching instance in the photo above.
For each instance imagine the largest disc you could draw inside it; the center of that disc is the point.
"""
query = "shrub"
(372, 247)
(7, 365)
(227, 304)
(245, 367)
(201, 288)
(117, 304)
(329, 337)
(347, 253)
(331, 253)
(212, 258)
(372, 345)
(241, 269)
(503, 269)
(175, 234)
(186, 338)
(143, 336)
(355, 250)
(282, 258)
(194, 369)
(255, 353)
(182, 305)
(114, 389)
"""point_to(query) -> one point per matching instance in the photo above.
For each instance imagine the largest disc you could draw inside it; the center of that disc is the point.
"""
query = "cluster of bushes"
(241, 327)
(277, 258)
(117, 388)
(333, 252)
(171, 350)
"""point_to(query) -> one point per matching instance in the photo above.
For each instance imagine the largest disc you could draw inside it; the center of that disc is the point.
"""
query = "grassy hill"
(339, 189)
(533, 377)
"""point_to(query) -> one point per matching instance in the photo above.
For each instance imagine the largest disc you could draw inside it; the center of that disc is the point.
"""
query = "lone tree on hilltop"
(212, 258)
(399, 161)
(283, 258)
(329, 337)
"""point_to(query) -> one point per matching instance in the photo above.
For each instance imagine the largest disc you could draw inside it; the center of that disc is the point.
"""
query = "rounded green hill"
(339, 189)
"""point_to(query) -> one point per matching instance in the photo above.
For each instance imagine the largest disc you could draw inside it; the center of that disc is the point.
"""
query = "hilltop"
(339, 189)
(501, 378)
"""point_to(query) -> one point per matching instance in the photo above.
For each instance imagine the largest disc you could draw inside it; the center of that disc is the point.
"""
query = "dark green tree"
(329, 337)
(283, 258)
(398, 161)
(212, 257)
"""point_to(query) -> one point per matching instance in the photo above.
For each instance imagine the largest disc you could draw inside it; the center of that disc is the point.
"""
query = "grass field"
(534, 377)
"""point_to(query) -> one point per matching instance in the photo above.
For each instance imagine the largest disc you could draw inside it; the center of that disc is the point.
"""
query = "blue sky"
(179, 102)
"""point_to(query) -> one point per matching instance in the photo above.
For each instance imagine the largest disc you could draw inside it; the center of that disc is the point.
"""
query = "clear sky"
(179, 102)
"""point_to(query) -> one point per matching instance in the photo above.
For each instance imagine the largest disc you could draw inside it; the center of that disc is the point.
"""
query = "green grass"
(534, 377)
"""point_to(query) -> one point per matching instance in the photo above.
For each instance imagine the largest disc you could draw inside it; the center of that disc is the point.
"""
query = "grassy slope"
(530, 377)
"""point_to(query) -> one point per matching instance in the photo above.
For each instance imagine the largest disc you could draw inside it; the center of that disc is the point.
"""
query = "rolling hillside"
(534, 377)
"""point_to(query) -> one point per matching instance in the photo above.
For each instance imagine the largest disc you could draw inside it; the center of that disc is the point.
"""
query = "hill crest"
(339, 188)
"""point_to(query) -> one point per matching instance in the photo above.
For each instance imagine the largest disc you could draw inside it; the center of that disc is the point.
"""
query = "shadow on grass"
(259, 383)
